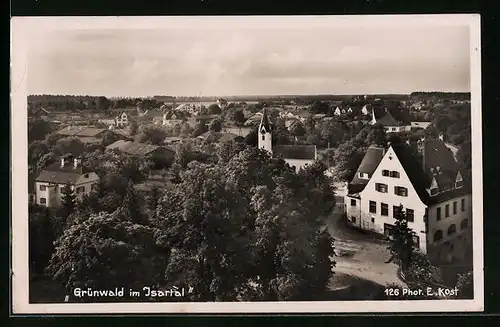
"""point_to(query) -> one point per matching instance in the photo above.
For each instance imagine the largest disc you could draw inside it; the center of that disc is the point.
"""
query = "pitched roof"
(370, 162)
(436, 154)
(81, 131)
(387, 120)
(305, 152)
(54, 173)
(264, 122)
(135, 148)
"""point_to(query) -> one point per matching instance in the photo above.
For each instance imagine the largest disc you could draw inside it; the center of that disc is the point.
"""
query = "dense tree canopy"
(219, 222)
(106, 251)
(38, 130)
(153, 135)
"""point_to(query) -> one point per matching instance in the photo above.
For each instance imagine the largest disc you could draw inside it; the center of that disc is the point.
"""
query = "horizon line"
(246, 95)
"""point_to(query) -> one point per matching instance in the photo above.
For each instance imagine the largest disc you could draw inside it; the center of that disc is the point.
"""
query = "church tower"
(265, 133)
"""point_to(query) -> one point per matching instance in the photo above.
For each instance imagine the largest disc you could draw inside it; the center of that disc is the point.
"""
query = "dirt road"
(360, 255)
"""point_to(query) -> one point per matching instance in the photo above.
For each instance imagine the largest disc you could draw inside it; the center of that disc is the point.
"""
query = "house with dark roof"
(86, 134)
(393, 121)
(161, 155)
(69, 171)
(426, 180)
(297, 156)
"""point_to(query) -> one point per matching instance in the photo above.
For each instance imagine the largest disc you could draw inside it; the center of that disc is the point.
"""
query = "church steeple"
(265, 133)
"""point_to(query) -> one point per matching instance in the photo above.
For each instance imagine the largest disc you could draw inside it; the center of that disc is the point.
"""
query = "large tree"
(246, 230)
(214, 109)
(68, 201)
(41, 238)
(152, 135)
(106, 251)
(215, 125)
(345, 159)
(67, 145)
(38, 129)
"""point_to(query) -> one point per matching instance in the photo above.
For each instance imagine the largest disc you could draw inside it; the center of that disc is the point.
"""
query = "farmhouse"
(297, 156)
(426, 180)
(51, 181)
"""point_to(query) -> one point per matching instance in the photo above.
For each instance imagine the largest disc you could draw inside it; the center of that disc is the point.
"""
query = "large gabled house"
(69, 171)
(426, 180)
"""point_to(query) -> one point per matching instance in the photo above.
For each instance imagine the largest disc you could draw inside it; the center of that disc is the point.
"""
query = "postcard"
(259, 164)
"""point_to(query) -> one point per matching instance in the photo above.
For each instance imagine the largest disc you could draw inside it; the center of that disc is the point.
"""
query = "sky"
(245, 60)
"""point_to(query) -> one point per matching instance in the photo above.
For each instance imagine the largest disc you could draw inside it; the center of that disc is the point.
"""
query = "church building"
(297, 156)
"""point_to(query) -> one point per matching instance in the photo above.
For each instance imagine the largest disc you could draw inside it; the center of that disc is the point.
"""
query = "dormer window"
(364, 175)
(459, 182)
(434, 191)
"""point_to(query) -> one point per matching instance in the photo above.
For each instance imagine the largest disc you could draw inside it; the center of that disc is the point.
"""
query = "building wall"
(265, 141)
(298, 163)
(53, 192)
(376, 222)
(396, 129)
(450, 247)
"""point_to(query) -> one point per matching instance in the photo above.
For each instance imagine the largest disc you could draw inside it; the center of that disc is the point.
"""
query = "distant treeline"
(441, 95)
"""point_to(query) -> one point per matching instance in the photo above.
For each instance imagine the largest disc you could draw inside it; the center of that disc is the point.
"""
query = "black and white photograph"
(246, 164)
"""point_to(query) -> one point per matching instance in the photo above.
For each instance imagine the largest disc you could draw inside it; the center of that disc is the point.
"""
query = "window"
(454, 207)
(353, 203)
(395, 211)
(416, 241)
(401, 191)
(447, 211)
(434, 191)
(462, 205)
(87, 175)
(382, 188)
(373, 220)
(388, 229)
(438, 236)
(452, 229)
(464, 224)
(459, 184)
(93, 186)
(373, 207)
(438, 214)
(410, 215)
(42, 187)
(353, 219)
(393, 129)
(385, 172)
(394, 174)
(80, 189)
(384, 209)
(263, 137)
(43, 200)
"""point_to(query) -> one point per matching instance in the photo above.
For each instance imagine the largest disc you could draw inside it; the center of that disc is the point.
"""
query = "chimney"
(62, 162)
(421, 150)
(77, 162)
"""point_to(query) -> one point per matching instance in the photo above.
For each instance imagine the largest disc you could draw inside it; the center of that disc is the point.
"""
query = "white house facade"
(121, 120)
(427, 182)
(51, 181)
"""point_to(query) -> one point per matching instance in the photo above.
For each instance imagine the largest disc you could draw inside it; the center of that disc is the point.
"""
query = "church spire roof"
(264, 122)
